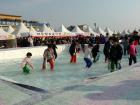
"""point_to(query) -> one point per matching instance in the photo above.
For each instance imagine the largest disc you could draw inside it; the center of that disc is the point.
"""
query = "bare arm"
(30, 63)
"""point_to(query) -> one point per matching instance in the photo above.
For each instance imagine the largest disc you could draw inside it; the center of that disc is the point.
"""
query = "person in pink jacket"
(132, 52)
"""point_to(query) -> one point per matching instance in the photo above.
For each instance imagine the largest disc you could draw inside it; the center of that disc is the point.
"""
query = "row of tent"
(22, 31)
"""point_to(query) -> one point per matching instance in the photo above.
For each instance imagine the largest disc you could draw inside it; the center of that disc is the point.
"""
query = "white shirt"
(26, 61)
(87, 53)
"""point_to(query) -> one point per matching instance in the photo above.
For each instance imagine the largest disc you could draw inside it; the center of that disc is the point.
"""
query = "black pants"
(125, 51)
(132, 58)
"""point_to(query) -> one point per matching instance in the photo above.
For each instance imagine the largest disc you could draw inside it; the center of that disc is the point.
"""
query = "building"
(13, 20)
(6, 19)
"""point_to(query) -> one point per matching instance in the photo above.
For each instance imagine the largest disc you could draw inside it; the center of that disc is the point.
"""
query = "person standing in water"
(115, 55)
(54, 47)
(95, 52)
(125, 44)
(106, 49)
(72, 51)
(88, 56)
(49, 57)
(26, 63)
(132, 53)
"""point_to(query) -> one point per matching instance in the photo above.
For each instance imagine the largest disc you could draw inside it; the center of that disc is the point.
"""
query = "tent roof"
(10, 29)
(90, 30)
(107, 30)
(115, 32)
(100, 31)
(51, 29)
(21, 30)
(32, 31)
(46, 29)
(2, 32)
(129, 31)
(77, 30)
(5, 35)
(63, 29)
(125, 32)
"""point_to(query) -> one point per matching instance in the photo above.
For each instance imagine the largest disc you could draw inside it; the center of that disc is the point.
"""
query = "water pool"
(65, 74)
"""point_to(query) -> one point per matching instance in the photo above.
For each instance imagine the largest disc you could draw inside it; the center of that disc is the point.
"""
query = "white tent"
(115, 32)
(32, 31)
(63, 29)
(51, 29)
(100, 31)
(10, 29)
(21, 30)
(107, 30)
(5, 35)
(90, 30)
(46, 29)
(77, 30)
(129, 31)
(125, 32)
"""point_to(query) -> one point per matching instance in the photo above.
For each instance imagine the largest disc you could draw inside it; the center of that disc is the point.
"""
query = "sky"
(115, 14)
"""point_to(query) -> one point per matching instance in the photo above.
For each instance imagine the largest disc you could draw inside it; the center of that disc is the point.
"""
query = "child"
(48, 56)
(27, 62)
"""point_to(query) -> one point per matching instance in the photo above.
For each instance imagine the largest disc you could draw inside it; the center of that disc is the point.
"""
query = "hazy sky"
(116, 14)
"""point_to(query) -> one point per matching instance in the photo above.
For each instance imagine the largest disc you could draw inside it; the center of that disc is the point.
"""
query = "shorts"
(26, 69)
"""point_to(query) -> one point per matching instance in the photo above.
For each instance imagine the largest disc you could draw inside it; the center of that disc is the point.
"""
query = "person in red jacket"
(132, 52)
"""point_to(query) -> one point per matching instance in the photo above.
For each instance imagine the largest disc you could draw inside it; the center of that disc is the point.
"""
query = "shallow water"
(65, 74)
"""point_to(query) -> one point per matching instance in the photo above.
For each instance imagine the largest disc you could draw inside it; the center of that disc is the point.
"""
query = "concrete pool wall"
(14, 53)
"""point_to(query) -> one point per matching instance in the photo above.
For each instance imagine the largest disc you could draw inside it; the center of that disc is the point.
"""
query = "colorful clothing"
(132, 50)
(72, 51)
(49, 57)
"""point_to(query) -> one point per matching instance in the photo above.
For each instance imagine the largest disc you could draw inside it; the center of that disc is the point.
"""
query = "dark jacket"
(95, 50)
(72, 49)
(106, 49)
(116, 53)
(54, 47)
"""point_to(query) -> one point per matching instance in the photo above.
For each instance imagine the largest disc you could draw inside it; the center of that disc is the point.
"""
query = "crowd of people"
(113, 51)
